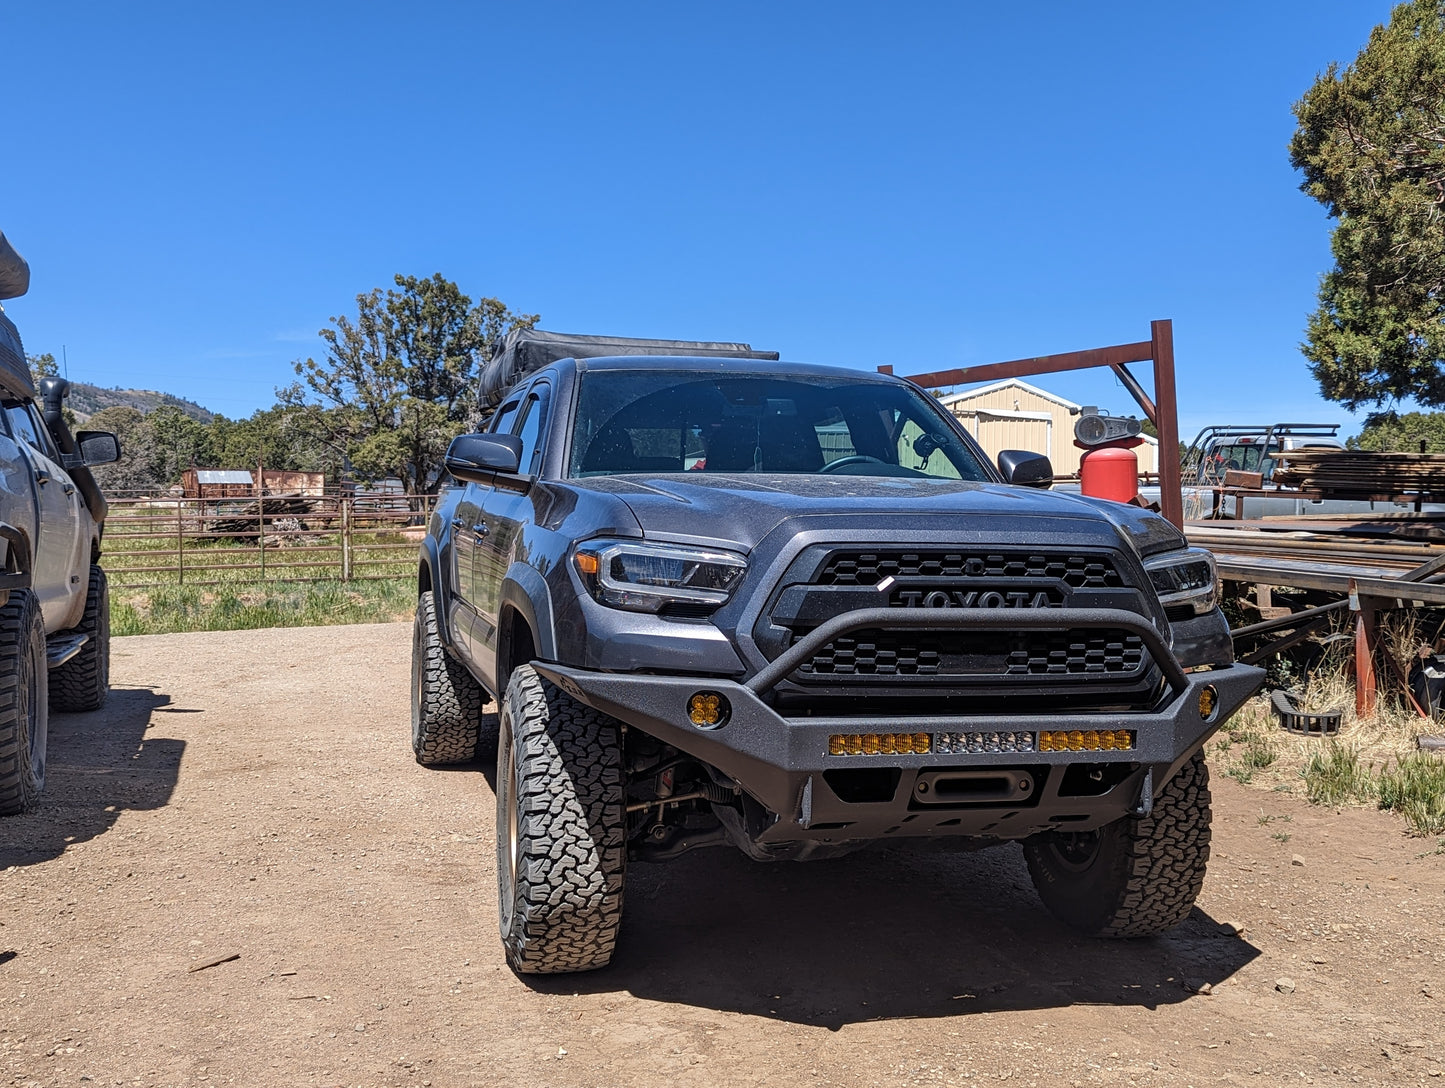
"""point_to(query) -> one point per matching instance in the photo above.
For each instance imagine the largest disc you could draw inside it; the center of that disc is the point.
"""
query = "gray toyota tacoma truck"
(792, 608)
(54, 612)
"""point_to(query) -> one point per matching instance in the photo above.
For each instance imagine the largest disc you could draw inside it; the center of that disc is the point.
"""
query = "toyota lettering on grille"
(971, 598)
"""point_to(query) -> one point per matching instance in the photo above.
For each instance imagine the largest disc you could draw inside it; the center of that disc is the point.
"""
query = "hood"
(743, 509)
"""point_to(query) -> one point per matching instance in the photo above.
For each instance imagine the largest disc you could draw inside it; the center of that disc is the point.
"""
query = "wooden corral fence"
(339, 535)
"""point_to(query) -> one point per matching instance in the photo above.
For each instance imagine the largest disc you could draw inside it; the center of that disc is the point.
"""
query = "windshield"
(681, 421)
(1247, 456)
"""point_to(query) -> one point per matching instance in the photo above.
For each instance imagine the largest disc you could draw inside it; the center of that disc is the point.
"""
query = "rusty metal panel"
(299, 483)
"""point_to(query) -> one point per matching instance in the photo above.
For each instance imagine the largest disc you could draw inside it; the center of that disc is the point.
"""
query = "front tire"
(83, 682)
(24, 703)
(561, 830)
(446, 700)
(1137, 877)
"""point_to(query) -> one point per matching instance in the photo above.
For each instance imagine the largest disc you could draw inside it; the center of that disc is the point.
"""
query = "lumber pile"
(247, 519)
(1359, 473)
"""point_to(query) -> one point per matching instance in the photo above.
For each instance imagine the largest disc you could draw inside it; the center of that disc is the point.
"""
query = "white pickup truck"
(1245, 449)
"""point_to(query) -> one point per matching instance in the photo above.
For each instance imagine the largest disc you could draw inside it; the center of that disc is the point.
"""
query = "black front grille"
(902, 670)
(860, 568)
(1116, 654)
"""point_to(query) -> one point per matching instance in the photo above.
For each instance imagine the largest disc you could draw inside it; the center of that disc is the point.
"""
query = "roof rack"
(1266, 431)
(523, 352)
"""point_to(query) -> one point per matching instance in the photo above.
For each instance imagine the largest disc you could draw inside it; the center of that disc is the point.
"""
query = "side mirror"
(97, 447)
(478, 457)
(1025, 469)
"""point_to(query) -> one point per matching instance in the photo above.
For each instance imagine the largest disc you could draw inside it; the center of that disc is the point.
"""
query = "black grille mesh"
(1045, 653)
(870, 568)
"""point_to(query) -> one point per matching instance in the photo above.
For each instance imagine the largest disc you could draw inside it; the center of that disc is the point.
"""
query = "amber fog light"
(707, 709)
(1208, 702)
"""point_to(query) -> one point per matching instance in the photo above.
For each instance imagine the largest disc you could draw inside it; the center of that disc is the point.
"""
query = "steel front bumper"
(784, 762)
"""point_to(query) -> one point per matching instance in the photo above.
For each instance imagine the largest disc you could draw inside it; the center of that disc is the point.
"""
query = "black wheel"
(1139, 876)
(24, 703)
(83, 682)
(561, 830)
(446, 700)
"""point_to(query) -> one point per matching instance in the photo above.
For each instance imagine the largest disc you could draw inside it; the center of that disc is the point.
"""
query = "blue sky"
(199, 187)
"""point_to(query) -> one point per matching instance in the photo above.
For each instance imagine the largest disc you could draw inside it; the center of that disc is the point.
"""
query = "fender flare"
(527, 591)
(17, 570)
(441, 590)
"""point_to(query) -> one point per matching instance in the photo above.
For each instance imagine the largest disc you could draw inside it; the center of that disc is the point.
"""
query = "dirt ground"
(252, 794)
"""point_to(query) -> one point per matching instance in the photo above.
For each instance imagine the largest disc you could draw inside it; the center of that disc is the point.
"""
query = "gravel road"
(250, 796)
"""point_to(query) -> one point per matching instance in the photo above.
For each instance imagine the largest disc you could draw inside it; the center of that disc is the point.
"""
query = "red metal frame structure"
(1162, 410)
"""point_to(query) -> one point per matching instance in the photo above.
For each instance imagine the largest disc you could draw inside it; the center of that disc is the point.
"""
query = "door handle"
(459, 523)
(481, 528)
(69, 489)
(42, 477)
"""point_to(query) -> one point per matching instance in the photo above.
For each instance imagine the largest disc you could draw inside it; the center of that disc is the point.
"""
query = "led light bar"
(879, 744)
(1086, 740)
(947, 743)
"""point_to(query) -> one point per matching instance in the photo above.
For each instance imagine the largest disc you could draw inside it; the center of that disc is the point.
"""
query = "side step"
(61, 648)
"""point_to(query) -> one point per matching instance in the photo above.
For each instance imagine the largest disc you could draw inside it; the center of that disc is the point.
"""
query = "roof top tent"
(522, 352)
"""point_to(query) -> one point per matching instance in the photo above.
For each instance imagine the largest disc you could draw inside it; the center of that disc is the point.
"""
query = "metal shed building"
(1014, 415)
(215, 483)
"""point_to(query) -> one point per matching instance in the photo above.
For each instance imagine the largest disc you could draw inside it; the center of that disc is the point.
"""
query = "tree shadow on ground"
(884, 934)
(99, 764)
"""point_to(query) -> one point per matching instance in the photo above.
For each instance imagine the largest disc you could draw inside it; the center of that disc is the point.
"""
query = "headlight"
(1182, 577)
(643, 577)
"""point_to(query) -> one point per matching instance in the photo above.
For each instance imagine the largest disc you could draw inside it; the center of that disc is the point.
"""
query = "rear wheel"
(446, 700)
(1139, 876)
(83, 682)
(561, 829)
(24, 703)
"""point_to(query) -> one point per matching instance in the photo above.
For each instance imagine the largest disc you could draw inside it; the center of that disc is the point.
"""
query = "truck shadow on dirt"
(883, 935)
(99, 765)
(887, 933)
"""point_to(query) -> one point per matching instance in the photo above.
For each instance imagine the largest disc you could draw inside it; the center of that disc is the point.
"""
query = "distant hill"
(86, 399)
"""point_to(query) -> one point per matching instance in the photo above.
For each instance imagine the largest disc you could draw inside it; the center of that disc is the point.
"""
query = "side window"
(24, 425)
(506, 415)
(922, 452)
(534, 418)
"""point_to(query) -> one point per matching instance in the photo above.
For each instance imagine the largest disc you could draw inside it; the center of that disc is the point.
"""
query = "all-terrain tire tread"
(21, 634)
(1159, 869)
(83, 682)
(447, 710)
(571, 826)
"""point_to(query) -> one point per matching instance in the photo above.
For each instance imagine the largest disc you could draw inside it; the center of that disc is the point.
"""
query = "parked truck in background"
(54, 610)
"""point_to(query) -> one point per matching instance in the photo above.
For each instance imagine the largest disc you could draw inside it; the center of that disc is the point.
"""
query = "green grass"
(217, 584)
(1257, 752)
(1335, 776)
(248, 605)
(1415, 788)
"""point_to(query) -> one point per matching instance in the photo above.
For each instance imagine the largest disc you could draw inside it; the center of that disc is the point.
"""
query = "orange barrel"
(1108, 472)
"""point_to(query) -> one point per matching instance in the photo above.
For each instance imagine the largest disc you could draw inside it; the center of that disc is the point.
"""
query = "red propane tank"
(1110, 472)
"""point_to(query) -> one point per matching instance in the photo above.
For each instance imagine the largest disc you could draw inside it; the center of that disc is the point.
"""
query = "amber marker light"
(1086, 740)
(1208, 701)
(880, 744)
(587, 563)
(707, 709)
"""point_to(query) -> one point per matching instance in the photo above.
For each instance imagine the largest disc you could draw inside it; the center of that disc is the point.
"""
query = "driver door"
(57, 560)
(467, 531)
